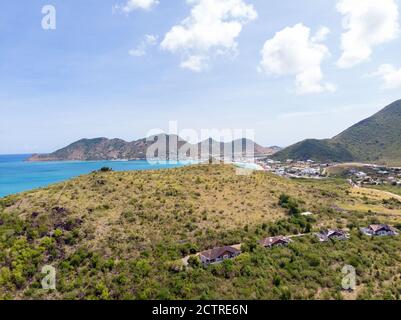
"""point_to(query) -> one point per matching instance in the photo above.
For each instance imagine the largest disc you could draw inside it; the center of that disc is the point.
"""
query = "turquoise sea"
(17, 175)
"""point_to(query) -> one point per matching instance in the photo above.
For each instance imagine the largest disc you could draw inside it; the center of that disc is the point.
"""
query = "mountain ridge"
(376, 139)
(117, 149)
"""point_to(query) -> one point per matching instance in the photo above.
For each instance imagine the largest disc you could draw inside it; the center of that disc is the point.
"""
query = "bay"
(18, 175)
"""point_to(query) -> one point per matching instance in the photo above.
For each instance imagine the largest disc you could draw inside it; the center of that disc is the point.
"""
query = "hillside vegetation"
(376, 139)
(121, 235)
(317, 150)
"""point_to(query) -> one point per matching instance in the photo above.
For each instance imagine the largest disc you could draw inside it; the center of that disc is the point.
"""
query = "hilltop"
(121, 235)
(376, 140)
(116, 149)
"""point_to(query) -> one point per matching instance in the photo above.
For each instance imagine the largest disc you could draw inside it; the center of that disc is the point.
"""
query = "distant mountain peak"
(376, 139)
(113, 149)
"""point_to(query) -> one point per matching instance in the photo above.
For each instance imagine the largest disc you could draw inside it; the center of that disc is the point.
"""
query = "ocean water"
(247, 165)
(17, 175)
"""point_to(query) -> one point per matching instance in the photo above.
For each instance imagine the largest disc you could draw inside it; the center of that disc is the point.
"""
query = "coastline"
(17, 175)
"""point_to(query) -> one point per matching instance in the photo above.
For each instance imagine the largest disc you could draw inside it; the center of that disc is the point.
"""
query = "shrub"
(276, 280)
(285, 201)
(194, 262)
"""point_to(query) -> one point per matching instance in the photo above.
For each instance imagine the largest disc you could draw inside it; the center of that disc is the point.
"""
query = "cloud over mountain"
(294, 51)
(368, 23)
(211, 29)
(390, 75)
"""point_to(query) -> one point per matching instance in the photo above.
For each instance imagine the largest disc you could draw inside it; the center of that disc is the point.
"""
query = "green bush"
(287, 202)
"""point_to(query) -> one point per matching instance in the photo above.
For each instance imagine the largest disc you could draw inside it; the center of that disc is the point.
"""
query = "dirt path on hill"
(391, 194)
(378, 191)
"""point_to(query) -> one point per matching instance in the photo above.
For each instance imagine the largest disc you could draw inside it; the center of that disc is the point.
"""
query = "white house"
(326, 235)
(379, 230)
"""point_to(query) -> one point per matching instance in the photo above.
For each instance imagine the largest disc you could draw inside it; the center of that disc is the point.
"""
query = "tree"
(285, 201)
(194, 262)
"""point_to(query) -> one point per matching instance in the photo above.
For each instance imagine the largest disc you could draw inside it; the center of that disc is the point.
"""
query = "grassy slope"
(376, 139)
(317, 150)
(117, 235)
(389, 188)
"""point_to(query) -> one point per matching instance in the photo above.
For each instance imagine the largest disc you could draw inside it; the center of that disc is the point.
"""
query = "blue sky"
(99, 74)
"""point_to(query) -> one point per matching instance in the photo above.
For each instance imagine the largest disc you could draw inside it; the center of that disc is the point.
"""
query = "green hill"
(121, 235)
(376, 139)
(317, 150)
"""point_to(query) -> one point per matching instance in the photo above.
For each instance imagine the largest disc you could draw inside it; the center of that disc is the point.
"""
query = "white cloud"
(211, 29)
(140, 50)
(293, 51)
(132, 5)
(321, 34)
(368, 23)
(137, 52)
(390, 75)
(194, 63)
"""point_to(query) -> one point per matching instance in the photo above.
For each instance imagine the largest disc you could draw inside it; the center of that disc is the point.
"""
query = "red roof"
(219, 252)
(379, 227)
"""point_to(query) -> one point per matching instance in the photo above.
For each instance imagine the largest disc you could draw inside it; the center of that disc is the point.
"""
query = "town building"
(379, 230)
(337, 234)
(218, 255)
(278, 241)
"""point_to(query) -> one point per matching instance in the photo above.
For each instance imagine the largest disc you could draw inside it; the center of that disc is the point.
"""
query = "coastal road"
(378, 191)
